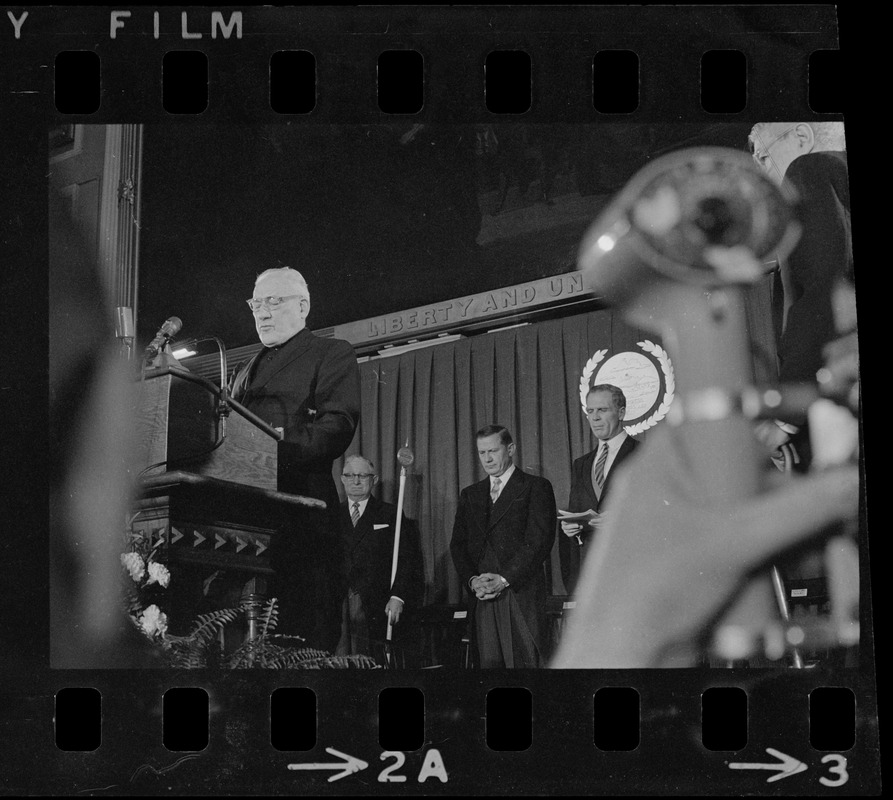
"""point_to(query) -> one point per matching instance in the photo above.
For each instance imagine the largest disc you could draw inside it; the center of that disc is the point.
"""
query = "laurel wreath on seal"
(587, 375)
(669, 384)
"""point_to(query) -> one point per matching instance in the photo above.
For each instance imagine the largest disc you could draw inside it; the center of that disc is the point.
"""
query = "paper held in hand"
(583, 517)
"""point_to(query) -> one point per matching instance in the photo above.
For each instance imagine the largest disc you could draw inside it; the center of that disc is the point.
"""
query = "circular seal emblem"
(638, 376)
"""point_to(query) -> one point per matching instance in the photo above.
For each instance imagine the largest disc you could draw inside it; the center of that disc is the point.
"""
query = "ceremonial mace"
(405, 457)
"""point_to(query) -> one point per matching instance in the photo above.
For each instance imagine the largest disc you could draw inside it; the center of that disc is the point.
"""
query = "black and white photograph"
(403, 289)
(507, 442)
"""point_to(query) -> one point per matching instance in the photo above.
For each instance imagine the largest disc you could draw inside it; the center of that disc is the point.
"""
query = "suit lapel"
(479, 495)
(625, 449)
(510, 492)
(297, 348)
(588, 461)
(364, 524)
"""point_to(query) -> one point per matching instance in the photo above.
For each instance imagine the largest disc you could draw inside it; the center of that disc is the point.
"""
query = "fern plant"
(144, 581)
(195, 650)
(199, 649)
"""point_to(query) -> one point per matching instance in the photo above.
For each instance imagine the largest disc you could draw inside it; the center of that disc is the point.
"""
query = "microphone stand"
(223, 400)
(164, 358)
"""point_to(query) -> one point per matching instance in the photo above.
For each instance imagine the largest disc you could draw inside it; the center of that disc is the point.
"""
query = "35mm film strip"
(433, 173)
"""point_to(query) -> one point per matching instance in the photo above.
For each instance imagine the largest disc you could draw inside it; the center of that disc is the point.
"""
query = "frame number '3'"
(838, 769)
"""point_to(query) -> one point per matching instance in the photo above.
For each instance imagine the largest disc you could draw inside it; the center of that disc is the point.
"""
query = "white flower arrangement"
(134, 564)
(143, 579)
(145, 572)
(158, 573)
(153, 622)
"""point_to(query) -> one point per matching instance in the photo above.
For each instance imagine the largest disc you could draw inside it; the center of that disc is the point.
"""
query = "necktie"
(355, 514)
(494, 489)
(598, 474)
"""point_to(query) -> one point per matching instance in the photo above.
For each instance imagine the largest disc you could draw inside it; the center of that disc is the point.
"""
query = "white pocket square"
(379, 527)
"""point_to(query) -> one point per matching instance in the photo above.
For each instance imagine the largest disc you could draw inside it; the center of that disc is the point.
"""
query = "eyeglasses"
(762, 153)
(256, 303)
(362, 476)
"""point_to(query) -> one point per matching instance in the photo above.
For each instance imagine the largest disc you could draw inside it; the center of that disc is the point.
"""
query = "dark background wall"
(377, 217)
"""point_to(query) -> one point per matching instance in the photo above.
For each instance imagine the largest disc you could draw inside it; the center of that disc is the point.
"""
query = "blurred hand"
(669, 562)
(770, 434)
(598, 521)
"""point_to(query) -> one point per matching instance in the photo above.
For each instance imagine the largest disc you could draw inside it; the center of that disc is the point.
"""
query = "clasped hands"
(488, 585)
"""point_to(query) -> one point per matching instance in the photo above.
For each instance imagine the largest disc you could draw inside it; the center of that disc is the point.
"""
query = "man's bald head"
(278, 323)
(776, 144)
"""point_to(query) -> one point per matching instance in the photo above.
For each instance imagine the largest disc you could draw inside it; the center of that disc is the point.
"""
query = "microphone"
(170, 328)
(123, 322)
(124, 331)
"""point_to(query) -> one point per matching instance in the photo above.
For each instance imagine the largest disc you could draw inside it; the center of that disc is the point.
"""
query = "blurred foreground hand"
(666, 566)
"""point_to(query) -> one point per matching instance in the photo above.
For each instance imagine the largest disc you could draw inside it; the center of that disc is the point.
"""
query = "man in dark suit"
(309, 388)
(813, 285)
(368, 528)
(605, 410)
(813, 296)
(501, 538)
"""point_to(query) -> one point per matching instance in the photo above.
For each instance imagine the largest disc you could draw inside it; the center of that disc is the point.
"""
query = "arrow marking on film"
(347, 767)
(785, 766)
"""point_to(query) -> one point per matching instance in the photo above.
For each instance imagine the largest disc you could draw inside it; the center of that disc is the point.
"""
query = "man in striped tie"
(605, 410)
(368, 527)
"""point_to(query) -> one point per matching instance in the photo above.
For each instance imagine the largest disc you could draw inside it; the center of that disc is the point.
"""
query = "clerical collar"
(273, 349)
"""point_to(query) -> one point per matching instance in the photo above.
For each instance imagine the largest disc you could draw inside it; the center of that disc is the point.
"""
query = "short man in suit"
(502, 536)
(605, 410)
(368, 527)
(309, 387)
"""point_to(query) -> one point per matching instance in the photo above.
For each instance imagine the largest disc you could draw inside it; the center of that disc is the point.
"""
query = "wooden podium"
(178, 424)
(207, 489)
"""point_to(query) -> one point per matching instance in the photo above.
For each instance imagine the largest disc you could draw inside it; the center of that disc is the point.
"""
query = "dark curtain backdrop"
(525, 378)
